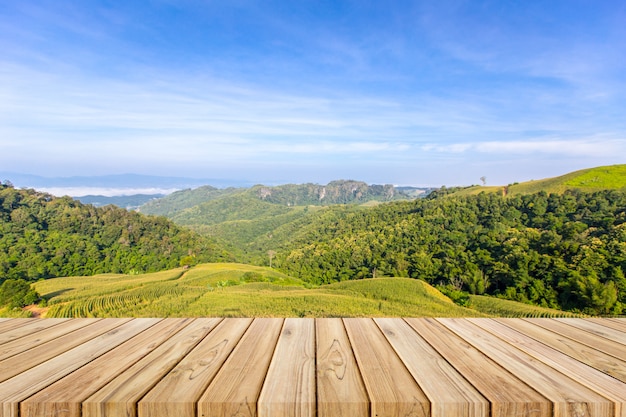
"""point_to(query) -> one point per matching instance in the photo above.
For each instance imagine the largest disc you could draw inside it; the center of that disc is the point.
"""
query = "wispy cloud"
(455, 84)
(591, 147)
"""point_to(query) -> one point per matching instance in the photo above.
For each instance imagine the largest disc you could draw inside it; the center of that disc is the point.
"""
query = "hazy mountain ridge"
(335, 192)
(128, 202)
(113, 185)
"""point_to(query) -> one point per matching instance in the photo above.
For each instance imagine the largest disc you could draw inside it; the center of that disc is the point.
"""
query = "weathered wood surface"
(312, 367)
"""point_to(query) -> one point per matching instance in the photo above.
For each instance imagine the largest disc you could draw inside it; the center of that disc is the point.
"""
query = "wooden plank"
(607, 346)
(616, 324)
(289, 387)
(449, 393)
(19, 363)
(340, 389)
(508, 395)
(590, 377)
(20, 387)
(583, 353)
(391, 388)
(235, 389)
(619, 320)
(120, 396)
(178, 392)
(597, 329)
(28, 342)
(27, 328)
(10, 324)
(64, 397)
(570, 399)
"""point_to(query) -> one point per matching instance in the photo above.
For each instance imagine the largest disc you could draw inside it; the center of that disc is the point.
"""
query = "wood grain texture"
(391, 388)
(11, 324)
(340, 389)
(584, 374)
(64, 398)
(617, 324)
(20, 387)
(322, 367)
(569, 398)
(30, 341)
(120, 396)
(621, 321)
(447, 390)
(507, 394)
(606, 363)
(19, 363)
(289, 387)
(178, 392)
(604, 345)
(597, 329)
(236, 388)
(28, 328)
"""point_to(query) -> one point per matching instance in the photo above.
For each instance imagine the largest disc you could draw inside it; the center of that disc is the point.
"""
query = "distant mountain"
(112, 185)
(290, 195)
(128, 202)
(242, 219)
(180, 200)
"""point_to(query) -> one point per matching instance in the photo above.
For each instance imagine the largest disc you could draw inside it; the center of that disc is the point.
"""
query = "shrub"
(17, 293)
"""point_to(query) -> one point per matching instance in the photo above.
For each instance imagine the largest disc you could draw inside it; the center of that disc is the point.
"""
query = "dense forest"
(559, 250)
(42, 236)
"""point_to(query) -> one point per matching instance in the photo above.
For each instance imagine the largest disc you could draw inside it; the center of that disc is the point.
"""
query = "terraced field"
(238, 290)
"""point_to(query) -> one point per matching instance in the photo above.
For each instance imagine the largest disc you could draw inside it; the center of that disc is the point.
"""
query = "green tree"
(16, 293)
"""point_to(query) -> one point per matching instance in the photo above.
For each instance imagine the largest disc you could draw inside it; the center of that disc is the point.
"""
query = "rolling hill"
(243, 219)
(610, 177)
(42, 236)
(288, 195)
(237, 290)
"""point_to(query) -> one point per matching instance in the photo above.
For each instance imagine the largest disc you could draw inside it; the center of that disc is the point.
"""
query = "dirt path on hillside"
(36, 311)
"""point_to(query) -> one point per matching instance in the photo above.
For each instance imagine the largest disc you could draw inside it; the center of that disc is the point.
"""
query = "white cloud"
(592, 147)
(107, 192)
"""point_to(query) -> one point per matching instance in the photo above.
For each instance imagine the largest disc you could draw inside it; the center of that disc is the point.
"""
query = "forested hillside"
(42, 236)
(180, 200)
(559, 250)
(241, 219)
(335, 192)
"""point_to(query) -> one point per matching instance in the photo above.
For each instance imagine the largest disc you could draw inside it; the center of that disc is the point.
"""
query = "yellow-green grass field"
(611, 177)
(238, 290)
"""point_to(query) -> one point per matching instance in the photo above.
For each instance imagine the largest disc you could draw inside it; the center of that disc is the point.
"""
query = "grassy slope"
(222, 290)
(592, 179)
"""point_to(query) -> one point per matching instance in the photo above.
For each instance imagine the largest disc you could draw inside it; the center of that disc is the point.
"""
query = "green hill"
(178, 201)
(237, 290)
(42, 236)
(288, 195)
(610, 177)
(243, 220)
(564, 251)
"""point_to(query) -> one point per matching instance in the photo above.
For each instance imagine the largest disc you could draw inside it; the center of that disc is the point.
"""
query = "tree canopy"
(42, 236)
(556, 250)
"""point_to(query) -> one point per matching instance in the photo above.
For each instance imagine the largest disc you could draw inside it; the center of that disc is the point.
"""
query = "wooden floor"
(309, 367)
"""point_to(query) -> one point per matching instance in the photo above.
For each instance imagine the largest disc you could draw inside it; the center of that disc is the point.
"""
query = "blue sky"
(402, 92)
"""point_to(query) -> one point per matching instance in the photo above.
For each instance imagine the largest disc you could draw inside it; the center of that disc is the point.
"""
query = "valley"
(323, 251)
